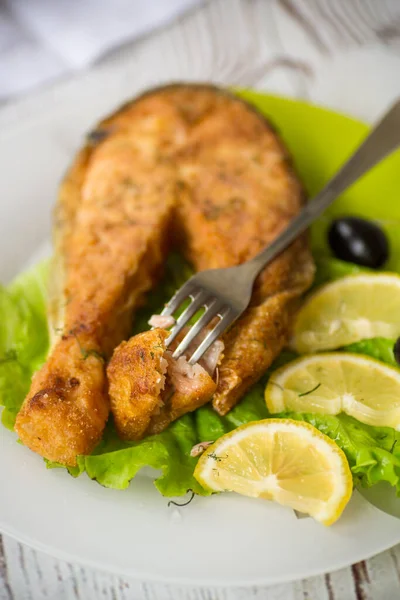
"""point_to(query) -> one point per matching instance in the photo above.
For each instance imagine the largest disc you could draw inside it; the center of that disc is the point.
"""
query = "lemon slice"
(283, 460)
(348, 310)
(334, 382)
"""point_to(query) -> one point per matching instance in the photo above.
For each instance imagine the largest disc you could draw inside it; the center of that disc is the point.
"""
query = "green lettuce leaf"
(115, 462)
(373, 452)
(24, 338)
(331, 269)
(378, 348)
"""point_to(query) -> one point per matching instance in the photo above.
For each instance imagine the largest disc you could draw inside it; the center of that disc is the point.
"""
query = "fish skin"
(187, 164)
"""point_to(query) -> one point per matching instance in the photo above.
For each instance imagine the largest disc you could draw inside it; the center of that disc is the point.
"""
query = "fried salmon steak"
(189, 165)
(111, 226)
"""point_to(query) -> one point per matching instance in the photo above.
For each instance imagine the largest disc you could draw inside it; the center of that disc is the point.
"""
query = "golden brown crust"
(253, 343)
(111, 228)
(135, 379)
(199, 158)
(67, 406)
(145, 392)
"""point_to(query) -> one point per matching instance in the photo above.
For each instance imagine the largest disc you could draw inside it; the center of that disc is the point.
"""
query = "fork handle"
(383, 140)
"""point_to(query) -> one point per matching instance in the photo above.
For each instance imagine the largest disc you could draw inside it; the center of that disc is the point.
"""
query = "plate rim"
(174, 580)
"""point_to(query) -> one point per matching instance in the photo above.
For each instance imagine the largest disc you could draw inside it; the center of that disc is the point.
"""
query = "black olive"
(396, 351)
(358, 241)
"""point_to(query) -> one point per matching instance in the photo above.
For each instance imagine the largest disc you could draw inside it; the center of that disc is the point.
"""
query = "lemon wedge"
(334, 382)
(287, 461)
(348, 310)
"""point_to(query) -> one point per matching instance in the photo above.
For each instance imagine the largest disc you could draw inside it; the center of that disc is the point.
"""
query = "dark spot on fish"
(210, 210)
(164, 158)
(74, 382)
(79, 328)
(223, 176)
(236, 202)
(98, 135)
(129, 184)
(38, 399)
(192, 113)
(180, 185)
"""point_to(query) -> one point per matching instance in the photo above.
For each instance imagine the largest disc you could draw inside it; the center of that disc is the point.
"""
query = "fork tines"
(214, 307)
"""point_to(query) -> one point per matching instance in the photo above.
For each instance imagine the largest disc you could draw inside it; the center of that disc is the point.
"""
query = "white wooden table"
(341, 53)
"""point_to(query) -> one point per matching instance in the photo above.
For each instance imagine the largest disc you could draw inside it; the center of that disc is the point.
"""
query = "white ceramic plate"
(223, 540)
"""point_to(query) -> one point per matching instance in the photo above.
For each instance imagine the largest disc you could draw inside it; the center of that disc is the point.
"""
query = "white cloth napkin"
(43, 39)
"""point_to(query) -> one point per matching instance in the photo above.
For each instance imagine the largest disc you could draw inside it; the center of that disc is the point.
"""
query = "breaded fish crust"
(149, 389)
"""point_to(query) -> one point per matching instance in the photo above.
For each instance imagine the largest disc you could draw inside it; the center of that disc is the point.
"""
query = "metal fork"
(226, 293)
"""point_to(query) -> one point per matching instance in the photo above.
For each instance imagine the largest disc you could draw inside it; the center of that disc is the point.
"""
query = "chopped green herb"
(92, 352)
(215, 456)
(279, 386)
(158, 347)
(183, 503)
(310, 391)
(87, 352)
